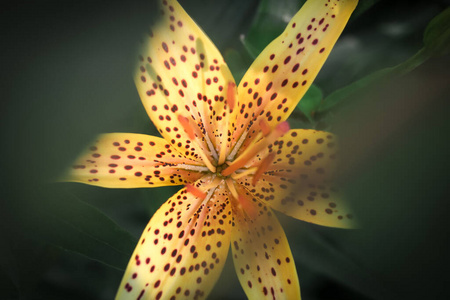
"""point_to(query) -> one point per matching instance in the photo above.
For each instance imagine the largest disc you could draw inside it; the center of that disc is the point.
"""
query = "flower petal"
(182, 250)
(312, 153)
(127, 160)
(283, 72)
(299, 182)
(181, 73)
(261, 254)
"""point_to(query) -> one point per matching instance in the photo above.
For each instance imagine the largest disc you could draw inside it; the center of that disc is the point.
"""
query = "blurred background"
(66, 77)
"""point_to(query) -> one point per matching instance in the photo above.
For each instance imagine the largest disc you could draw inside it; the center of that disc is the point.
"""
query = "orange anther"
(263, 167)
(231, 94)
(187, 126)
(265, 128)
(247, 205)
(283, 127)
(256, 147)
(195, 191)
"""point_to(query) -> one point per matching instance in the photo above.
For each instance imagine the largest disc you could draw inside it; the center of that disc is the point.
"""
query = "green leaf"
(393, 143)
(346, 92)
(362, 7)
(358, 86)
(270, 21)
(237, 64)
(437, 42)
(319, 249)
(272, 18)
(9, 272)
(61, 219)
(310, 102)
(437, 34)
(221, 20)
(22, 261)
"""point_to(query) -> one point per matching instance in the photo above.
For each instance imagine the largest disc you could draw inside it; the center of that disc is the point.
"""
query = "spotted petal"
(127, 160)
(261, 254)
(283, 72)
(299, 181)
(183, 81)
(182, 250)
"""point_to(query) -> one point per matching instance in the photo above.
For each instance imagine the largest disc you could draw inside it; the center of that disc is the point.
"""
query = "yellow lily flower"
(233, 151)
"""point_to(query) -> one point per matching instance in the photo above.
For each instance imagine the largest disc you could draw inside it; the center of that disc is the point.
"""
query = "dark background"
(66, 77)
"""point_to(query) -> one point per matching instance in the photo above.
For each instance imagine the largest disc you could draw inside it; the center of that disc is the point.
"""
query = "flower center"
(228, 171)
(219, 170)
(261, 142)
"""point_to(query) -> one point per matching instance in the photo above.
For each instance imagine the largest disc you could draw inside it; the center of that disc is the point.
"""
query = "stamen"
(210, 187)
(246, 172)
(237, 146)
(265, 128)
(263, 167)
(203, 119)
(195, 191)
(230, 103)
(187, 126)
(231, 95)
(247, 206)
(192, 168)
(207, 130)
(223, 147)
(232, 188)
(256, 147)
(198, 218)
(210, 146)
(215, 181)
(207, 162)
(283, 127)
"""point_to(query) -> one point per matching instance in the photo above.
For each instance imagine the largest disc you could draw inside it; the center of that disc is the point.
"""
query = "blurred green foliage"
(383, 91)
(269, 22)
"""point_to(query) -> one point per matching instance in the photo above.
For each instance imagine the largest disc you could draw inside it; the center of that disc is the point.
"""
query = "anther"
(231, 95)
(187, 127)
(283, 127)
(263, 167)
(195, 191)
(256, 147)
(265, 128)
(247, 206)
